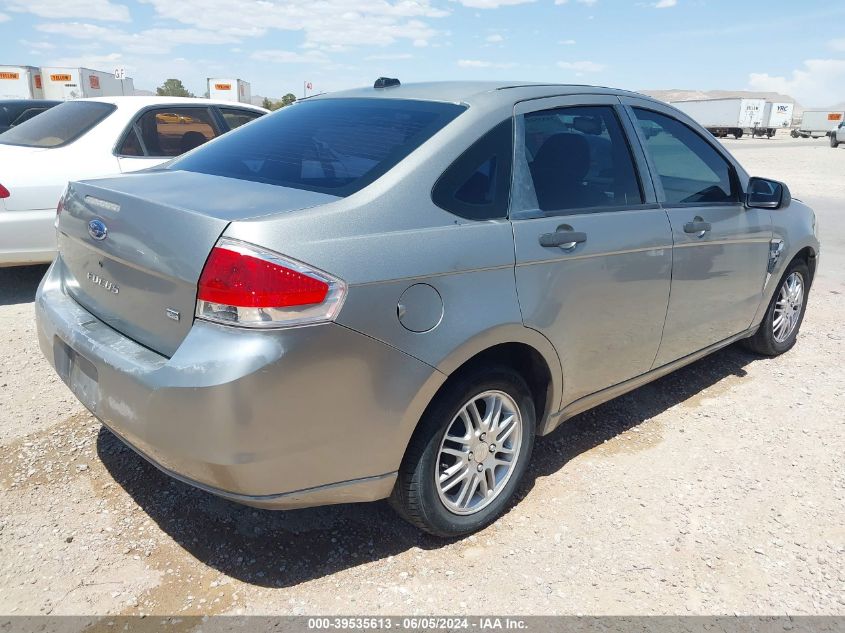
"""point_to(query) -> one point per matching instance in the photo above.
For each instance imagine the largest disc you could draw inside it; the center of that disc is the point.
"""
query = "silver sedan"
(389, 292)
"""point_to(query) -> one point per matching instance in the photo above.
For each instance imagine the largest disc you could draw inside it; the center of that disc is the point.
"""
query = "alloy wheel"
(478, 453)
(788, 307)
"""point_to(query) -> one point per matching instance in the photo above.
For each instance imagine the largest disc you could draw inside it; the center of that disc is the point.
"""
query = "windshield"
(335, 146)
(58, 126)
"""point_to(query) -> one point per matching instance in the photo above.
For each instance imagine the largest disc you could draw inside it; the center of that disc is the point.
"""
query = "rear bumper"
(27, 237)
(280, 419)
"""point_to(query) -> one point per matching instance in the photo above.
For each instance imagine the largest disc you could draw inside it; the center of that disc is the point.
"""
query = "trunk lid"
(155, 232)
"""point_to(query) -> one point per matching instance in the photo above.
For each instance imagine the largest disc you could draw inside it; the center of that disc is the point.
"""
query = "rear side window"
(58, 126)
(579, 159)
(334, 146)
(477, 185)
(236, 117)
(690, 169)
(166, 132)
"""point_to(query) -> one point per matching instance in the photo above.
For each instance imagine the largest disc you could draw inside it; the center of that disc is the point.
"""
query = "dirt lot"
(718, 489)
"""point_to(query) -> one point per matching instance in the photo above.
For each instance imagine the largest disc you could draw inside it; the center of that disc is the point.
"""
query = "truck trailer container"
(776, 116)
(229, 90)
(722, 117)
(20, 82)
(74, 83)
(818, 123)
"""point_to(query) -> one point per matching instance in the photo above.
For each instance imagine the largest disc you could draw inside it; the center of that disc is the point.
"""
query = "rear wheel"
(468, 455)
(779, 329)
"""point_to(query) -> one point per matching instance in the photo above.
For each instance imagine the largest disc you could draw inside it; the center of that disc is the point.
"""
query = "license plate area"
(78, 373)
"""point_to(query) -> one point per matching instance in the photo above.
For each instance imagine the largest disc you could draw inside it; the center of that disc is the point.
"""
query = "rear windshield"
(335, 146)
(58, 126)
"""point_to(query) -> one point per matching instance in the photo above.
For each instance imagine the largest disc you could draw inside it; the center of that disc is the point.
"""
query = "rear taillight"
(245, 285)
(4, 193)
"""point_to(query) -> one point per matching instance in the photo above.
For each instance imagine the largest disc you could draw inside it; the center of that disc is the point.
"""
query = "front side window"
(579, 159)
(334, 146)
(168, 132)
(58, 126)
(690, 169)
(236, 117)
(477, 184)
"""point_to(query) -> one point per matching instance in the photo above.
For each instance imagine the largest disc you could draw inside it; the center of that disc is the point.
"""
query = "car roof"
(137, 102)
(470, 91)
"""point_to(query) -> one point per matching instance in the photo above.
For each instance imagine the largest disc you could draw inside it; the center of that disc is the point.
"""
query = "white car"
(88, 138)
(837, 136)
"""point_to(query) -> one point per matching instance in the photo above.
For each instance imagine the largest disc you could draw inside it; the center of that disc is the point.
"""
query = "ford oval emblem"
(98, 229)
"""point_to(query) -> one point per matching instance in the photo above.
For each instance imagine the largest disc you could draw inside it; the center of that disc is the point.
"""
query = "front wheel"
(833, 141)
(779, 329)
(468, 454)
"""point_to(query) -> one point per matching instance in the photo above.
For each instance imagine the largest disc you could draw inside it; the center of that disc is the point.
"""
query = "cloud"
(566, 42)
(495, 38)
(478, 63)
(582, 67)
(328, 24)
(64, 9)
(4, 17)
(37, 45)
(289, 57)
(561, 1)
(834, 45)
(147, 42)
(388, 57)
(589, 3)
(491, 4)
(818, 83)
(665, 4)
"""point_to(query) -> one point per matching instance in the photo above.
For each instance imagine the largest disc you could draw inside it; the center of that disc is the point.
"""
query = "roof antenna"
(386, 82)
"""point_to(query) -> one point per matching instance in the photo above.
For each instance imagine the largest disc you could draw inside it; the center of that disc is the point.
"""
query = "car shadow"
(19, 283)
(282, 549)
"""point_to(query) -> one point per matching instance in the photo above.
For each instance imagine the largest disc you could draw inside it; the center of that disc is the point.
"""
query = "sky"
(277, 45)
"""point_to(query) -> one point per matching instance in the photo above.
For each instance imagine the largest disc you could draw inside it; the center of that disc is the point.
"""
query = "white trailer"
(725, 116)
(20, 82)
(776, 116)
(818, 123)
(75, 83)
(229, 90)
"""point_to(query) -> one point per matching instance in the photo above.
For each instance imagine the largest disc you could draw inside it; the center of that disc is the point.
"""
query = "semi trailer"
(818, 123)
(724, 117)
(20, 82)
(229, 90)
(74, 83)
(776, 116)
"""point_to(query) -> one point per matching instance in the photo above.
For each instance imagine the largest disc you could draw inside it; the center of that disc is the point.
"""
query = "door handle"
(698, 227)
(566, 240)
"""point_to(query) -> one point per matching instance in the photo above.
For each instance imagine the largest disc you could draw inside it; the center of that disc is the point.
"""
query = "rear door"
(161, 133)
(720, 247)
(593, 248)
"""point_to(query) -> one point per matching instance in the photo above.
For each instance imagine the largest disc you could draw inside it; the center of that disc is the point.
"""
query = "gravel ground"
(719, 489)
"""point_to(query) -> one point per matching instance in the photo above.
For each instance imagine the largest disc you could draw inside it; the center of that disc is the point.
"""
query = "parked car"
(837, 136)
(390, 292)
(15, 111)
(86, 138)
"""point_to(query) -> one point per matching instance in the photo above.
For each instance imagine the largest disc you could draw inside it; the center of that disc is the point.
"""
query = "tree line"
(175, 88)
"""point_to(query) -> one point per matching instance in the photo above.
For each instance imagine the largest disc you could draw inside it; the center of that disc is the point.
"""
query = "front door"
(593, 249)
(721, 248)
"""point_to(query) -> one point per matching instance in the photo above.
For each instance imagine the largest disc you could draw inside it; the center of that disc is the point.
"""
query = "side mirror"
(767, 194)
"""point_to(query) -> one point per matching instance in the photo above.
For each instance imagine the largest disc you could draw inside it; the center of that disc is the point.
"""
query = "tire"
(833, 141)
(417, 495)
(737, 135)
(766, 341)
